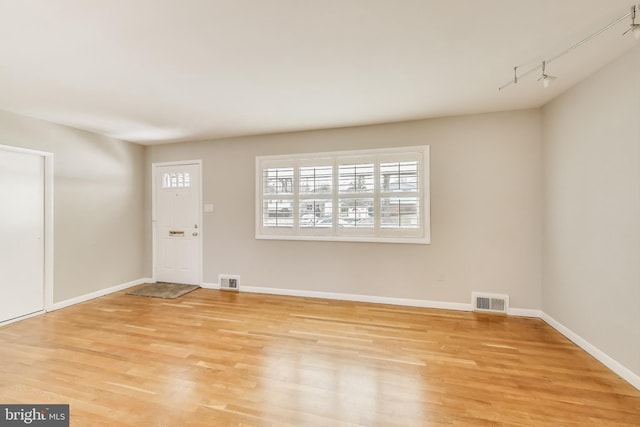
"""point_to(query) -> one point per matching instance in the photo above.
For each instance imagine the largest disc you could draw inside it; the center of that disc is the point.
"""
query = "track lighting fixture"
(634, 28)
(547, 79)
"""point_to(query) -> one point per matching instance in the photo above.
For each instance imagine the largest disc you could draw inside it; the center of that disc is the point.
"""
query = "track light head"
(546, 79)
(634, 28)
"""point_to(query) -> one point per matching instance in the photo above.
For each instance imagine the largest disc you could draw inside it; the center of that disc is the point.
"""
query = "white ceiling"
(154, 71)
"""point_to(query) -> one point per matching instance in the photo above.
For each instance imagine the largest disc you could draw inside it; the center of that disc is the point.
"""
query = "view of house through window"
(368, 195)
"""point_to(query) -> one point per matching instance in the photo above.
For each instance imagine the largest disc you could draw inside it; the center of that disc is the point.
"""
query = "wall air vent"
(490, 303)
(229, 282)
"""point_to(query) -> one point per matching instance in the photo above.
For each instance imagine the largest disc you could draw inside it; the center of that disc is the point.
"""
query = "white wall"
(98, 198)
(591, 170)
(485, 223)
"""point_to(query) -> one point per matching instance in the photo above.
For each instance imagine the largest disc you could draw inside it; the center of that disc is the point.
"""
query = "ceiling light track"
(547, 79)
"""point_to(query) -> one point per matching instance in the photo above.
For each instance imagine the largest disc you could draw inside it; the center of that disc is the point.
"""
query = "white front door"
(21, 234)
(176, 219)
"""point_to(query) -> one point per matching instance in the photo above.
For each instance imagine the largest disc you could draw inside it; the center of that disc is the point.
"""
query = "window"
(176, 180)
(369, 195)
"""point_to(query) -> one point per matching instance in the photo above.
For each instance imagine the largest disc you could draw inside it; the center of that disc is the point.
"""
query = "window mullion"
(296, 196)
(336, 197)
(376, 196)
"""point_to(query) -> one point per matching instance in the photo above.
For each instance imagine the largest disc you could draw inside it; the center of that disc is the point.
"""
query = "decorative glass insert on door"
(176, 180)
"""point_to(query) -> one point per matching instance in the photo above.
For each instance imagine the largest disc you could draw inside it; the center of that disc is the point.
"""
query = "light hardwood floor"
(214, 358)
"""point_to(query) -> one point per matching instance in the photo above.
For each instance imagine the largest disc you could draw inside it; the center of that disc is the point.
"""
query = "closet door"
(21, 234)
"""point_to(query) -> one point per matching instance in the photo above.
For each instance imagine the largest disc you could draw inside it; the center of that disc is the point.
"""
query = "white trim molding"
(210, 285)
(524, 312)
(624, 372)
(48, 232)
(17, 319)
(98, 293)
(408, 302)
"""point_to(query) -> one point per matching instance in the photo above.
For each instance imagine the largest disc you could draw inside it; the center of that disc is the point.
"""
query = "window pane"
(356, 178)
(316, 179)
(356, 213)
(176, 180)
(399, 176)
(316, 213)
(400, 212)
(278, 181)
(277, 213)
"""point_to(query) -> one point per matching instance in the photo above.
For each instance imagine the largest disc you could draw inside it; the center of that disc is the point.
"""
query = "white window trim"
(420, 235)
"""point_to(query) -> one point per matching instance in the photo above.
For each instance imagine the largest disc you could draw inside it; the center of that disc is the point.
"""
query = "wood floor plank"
(236, 359)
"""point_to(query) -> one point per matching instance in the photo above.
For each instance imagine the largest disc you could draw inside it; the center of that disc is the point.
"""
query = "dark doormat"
(162, 290)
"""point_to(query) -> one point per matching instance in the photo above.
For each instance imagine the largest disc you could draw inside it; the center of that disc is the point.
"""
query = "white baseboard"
(625, 373)
(99, 293)
(355, 297)
(210, 285)
(409, 302)
(17, 319)
(524, 312)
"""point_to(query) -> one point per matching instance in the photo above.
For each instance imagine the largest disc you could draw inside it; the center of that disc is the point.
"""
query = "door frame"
(154, 172)
(48, 223)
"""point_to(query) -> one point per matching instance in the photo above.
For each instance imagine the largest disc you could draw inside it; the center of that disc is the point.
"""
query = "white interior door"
(21, 234)
(177, 244)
